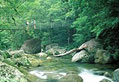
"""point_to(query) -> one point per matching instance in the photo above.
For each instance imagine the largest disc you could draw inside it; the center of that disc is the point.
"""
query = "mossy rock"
(103, 57)
(71, 78)
(35, 62)
(9, 73)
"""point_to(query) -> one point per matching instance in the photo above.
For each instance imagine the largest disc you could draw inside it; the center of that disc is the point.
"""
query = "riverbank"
(45, 67)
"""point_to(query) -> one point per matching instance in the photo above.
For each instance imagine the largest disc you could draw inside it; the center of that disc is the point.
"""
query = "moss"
(9, 62)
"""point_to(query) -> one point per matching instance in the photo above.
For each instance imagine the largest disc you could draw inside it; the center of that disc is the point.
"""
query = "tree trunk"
(71, 51)
(68, 52)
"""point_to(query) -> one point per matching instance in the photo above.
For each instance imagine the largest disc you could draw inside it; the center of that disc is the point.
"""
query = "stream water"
(58, 69)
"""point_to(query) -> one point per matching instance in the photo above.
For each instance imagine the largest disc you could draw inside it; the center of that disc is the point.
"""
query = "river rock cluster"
(14, 65)
(11, 61)
(93, 53)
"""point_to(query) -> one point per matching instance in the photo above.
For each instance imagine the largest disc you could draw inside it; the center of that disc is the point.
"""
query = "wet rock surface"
(116, 75)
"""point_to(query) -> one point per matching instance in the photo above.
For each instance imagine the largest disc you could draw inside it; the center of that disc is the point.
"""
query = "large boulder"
(91, 45)
(78, 56)
(32, 46)
(71, 78)
(103, 57)
(116, 75)
(10, 74)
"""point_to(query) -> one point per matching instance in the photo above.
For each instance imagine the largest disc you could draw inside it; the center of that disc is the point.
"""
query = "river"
(59, 67)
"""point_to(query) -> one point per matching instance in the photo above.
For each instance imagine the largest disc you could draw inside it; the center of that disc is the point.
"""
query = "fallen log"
(71, 51)
(68, 52)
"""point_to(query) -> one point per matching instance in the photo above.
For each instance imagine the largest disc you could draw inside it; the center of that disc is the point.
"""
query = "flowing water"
(59, 67)
(88, 76)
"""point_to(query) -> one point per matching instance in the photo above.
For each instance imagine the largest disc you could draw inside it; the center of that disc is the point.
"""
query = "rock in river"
(116, 75)
(71, 78)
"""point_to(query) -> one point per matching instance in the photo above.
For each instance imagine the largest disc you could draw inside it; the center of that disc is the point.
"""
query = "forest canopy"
(59, 21)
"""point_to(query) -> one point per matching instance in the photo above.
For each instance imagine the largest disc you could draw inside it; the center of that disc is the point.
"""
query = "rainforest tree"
(67, 22)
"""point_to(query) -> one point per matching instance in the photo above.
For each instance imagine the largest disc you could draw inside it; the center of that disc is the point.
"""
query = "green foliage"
(116, 56)
(94, 17)
(17, 39)
(54, 20)
(45, 39)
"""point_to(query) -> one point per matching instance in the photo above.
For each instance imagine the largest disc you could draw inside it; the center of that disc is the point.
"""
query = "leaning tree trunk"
(71, 51)
(68, 52)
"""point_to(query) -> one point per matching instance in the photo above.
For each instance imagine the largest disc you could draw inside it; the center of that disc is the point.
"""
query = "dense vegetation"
(67, 22)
